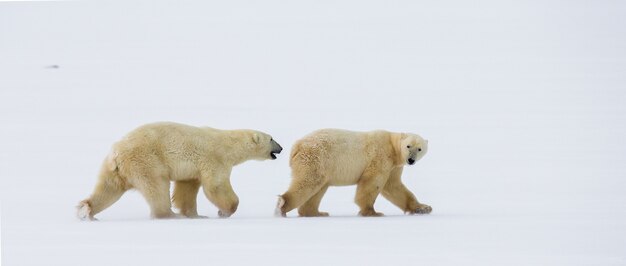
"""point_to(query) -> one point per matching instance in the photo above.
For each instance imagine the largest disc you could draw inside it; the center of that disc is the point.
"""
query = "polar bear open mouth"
(273, 155)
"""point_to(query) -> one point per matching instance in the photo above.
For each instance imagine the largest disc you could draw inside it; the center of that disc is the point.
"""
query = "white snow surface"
(523, 104)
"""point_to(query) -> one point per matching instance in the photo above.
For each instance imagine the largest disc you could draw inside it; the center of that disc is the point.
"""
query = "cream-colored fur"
(151, 156)
(371, 160)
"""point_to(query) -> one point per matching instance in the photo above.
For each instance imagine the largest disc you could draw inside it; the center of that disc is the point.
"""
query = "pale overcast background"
(523, 104)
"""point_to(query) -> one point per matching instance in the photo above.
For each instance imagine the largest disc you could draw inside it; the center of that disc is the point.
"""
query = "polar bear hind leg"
(108, 190)
(301, 189)
(156, 191)
(311, 207)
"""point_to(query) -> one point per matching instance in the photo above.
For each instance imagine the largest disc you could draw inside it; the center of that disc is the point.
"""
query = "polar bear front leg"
(399, 195)
(219, 191)
(184, 197)
(368, 188)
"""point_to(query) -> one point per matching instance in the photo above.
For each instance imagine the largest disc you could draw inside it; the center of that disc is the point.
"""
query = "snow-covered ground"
(523, 103)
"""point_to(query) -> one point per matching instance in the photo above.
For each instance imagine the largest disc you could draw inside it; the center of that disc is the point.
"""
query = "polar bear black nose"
(279, 148)
(411, 161)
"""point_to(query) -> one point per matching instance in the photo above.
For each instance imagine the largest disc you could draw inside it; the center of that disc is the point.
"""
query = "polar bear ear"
(256, 137)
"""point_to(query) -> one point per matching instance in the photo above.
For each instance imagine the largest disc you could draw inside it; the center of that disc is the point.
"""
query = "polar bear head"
(261, 146)
(413, 147)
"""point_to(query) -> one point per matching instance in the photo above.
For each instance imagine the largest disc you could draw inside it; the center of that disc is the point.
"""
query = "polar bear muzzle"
(276, 149)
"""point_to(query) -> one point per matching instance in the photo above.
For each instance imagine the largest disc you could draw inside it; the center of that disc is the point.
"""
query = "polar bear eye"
(409, 146)
(419, 149)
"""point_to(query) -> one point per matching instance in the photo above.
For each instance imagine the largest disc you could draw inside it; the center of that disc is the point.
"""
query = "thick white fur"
(151, 156)
(371, 160)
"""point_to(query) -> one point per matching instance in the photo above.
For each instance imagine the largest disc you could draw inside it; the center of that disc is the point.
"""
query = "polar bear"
(372, 160)
(151, 156)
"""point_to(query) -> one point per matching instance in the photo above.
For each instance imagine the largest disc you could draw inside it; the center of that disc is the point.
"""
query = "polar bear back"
(339, 155)
(175, 150)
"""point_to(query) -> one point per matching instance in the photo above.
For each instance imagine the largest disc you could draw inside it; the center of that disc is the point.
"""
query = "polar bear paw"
(278, 212)
(83, 211)
(370, 213)
(314, 214)
(224, 214)
(322, 214)
(421, 209)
